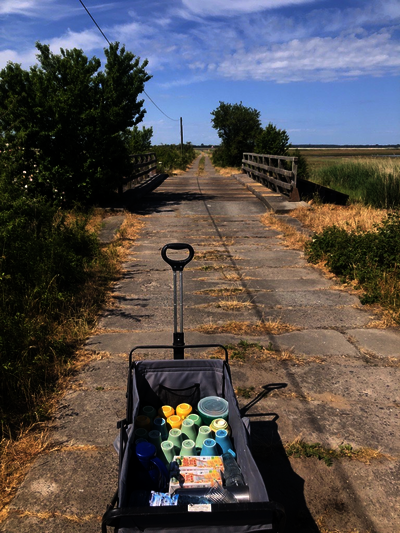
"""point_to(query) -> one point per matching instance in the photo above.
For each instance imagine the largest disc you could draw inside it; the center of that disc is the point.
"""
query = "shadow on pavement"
(283, 485)
(158, 200)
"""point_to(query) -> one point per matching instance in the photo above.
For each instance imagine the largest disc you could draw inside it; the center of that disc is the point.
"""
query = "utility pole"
(181, 138)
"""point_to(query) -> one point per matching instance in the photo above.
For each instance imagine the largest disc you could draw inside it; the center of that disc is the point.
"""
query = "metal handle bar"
(177, 265)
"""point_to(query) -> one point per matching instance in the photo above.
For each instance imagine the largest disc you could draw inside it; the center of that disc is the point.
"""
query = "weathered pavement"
(347, 392)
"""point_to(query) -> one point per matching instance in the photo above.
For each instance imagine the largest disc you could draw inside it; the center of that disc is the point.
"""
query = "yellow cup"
(183, 410)
(166, 411)
(174, 421)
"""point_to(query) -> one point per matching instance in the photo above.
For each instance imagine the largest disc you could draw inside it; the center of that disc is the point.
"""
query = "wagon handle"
(177, 265)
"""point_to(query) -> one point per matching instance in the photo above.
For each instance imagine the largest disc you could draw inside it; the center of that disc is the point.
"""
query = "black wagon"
(160, 382)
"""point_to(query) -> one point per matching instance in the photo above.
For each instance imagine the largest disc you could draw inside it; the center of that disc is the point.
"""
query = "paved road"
(339, 383)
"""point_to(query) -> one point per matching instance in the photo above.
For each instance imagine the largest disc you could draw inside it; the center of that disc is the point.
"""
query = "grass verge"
(248, 328)
(20, 445)
(299, 448)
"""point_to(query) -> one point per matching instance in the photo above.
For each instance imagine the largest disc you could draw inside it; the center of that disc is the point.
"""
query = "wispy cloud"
(228, 8)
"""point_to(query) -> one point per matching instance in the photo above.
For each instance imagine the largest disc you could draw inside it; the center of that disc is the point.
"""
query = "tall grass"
(372, 182)
(53, 275)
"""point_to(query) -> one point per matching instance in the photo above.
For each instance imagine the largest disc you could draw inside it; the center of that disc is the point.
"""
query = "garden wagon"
(158, 382)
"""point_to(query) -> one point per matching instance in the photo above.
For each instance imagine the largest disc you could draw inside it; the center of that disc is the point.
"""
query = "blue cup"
(161, 426)
(210, 448)
(223, 441)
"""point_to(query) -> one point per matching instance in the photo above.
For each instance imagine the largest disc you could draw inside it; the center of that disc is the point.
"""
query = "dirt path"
(324, 375)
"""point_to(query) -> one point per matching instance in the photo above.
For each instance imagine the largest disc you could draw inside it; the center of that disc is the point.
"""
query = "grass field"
(322, 157)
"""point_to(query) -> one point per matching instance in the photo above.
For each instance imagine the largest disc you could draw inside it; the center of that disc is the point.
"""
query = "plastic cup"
(196, 419)
(174, 421)
(168, 451)
(175, 436)
(210, 448)
(223, 440)
(161, 426)
(148, 410)
(203, 434)
(166, 411)
(143, 421)
(141, 433)
(155, 438)
(183, 410)
(220, 423)
(188, 448)
(189, 429)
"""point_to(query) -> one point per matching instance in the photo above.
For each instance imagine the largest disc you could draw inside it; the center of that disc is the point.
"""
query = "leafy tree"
(139, 141)
(272, 141)
(238, 127)
(63, 123)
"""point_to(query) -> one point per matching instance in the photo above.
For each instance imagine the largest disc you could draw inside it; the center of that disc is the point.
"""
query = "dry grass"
(222, 291)
(234, 305)
(228, 171)
(248, 328)
(46, 515)
(292, 238)
(17, 455)
(210, 255)
(321, 523)
(352, 217)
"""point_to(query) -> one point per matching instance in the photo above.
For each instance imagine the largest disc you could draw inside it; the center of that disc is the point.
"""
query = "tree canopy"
(63, 123)
(238, 127)
(272, 141)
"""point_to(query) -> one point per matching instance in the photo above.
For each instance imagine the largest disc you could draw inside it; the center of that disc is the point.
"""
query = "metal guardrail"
(270, 171)
(144, 166)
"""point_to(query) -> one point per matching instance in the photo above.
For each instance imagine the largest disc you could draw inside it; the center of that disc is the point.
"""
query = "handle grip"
(177, 265)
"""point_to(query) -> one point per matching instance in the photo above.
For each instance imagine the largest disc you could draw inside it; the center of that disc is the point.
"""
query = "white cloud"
(228, 8)
(316, 59)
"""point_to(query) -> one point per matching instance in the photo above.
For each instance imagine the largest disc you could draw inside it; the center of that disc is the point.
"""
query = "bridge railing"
(144, 166)
(272, 171)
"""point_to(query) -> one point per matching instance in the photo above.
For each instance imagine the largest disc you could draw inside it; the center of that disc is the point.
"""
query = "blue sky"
(327, 71)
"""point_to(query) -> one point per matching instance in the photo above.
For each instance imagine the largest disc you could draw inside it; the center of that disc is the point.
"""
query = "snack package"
(197, 461)
(194, 479)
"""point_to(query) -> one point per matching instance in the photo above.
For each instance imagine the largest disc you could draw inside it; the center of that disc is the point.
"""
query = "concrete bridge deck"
(337, 383)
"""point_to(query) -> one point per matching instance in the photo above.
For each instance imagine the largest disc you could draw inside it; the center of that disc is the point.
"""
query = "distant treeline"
(394, 146)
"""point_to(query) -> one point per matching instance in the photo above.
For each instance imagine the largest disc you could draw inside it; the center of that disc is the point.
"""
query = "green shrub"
(171, 157)
(48, 261)
(372, 258)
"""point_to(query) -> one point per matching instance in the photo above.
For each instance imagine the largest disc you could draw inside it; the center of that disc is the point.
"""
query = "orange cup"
(143, 421)
(183, 410)
(174, 421)
(166, 411)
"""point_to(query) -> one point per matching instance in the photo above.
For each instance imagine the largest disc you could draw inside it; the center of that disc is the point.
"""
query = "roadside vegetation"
(371, 182)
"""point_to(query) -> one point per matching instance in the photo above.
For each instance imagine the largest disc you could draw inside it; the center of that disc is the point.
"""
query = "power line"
(103, 34)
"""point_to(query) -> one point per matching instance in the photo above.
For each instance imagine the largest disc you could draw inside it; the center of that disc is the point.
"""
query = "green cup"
(189, 429)
(175, 436)
(167, 449)
(188, 448)
(196, 419)
(204, 433)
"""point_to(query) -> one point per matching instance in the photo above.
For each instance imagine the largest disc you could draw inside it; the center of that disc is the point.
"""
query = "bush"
(171, 157)
(48, 260)
(371, 258)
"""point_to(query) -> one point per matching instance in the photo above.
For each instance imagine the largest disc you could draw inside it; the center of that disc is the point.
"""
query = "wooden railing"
(271, 172)
(145, 166)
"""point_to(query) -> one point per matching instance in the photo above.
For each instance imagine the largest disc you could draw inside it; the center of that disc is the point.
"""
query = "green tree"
(63, 123)
(139, 141)
(272, 141)
(238, 127)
